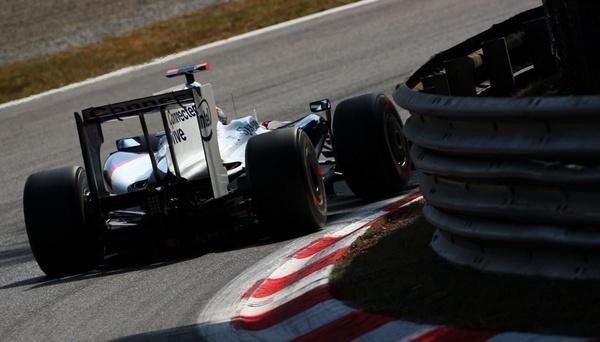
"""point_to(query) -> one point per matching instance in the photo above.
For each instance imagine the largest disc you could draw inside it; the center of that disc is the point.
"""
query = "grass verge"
(210, 24)
(392, 270)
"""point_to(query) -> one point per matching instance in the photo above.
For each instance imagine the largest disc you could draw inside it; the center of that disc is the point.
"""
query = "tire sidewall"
(313, 181)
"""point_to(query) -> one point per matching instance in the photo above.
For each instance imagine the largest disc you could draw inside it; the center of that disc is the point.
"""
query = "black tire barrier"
(512, 184)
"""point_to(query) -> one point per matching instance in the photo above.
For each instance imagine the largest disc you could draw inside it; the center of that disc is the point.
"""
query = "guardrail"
(512, 184)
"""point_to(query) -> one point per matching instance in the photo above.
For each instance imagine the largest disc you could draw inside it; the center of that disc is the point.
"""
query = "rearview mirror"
(138, 144)
(128, 143)
(319, 106)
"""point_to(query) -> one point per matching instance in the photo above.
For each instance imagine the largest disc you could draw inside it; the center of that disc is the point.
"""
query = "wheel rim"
(395, 140)
(315, 181)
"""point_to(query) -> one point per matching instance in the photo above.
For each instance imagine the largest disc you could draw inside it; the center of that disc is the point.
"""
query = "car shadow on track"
(184, 333)
(107, 269)
(15, 256)
(150, 256)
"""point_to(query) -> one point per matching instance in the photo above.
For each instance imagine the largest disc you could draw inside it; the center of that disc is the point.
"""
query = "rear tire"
(64, 237)
(285, 180)
(369, 145)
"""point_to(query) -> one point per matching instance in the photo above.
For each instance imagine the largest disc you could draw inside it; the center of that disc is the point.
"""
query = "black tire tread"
(361, 147)
(277, 169)
(61, 236)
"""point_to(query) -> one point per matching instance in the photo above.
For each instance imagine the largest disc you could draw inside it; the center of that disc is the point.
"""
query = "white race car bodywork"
(122, 170)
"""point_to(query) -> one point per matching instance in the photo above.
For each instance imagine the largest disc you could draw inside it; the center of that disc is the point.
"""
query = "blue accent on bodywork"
(313, 125)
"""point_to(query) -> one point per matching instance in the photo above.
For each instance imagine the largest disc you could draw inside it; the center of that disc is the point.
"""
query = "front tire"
(285, 180)
(64, 237)
(369, 145)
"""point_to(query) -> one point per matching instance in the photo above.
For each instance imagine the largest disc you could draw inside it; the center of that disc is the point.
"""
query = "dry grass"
(392, 270)
(209, 24)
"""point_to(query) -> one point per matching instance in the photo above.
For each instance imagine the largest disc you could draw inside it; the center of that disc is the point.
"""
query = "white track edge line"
(185, 53)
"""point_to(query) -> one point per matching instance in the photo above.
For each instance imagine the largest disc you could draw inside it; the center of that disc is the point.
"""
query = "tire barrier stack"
(512, 184)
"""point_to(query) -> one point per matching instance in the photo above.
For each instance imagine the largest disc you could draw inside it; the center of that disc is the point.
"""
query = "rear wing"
(151, 103)
(139, 106)
(189, 119)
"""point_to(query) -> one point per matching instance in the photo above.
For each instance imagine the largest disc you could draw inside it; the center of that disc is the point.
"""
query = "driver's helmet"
(222, 115)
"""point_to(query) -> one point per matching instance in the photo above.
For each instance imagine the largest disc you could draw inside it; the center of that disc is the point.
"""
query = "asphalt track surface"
(366, 49)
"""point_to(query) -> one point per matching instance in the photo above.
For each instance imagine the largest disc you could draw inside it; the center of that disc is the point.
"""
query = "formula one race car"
(201, 169)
